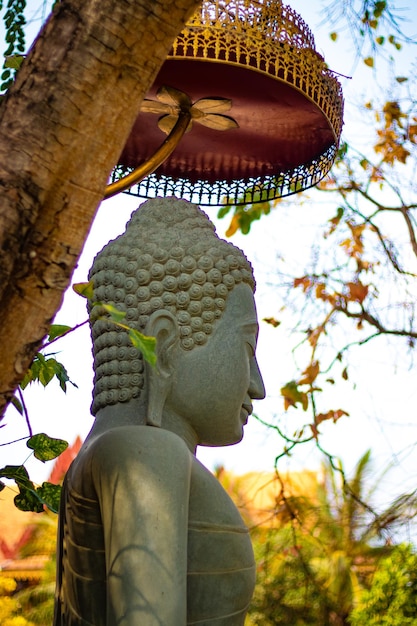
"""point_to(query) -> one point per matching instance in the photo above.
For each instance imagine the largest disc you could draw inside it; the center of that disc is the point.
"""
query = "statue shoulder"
(137, 439)
(127, 451)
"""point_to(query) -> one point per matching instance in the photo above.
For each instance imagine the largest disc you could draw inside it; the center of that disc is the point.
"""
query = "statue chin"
(147, 534)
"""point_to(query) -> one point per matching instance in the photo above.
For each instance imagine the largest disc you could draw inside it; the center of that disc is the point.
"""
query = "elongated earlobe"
(156, 402)
(163, 326)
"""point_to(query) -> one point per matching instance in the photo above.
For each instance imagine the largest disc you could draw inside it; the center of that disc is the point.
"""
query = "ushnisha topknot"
(168, 258)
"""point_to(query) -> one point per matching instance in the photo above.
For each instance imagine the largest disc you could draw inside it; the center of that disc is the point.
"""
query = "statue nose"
(256, 387)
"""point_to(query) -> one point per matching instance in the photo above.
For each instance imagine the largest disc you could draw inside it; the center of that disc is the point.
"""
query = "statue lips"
(247, 410)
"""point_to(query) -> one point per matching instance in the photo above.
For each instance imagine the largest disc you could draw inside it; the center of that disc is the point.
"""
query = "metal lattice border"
(237, 192)
(271, 38)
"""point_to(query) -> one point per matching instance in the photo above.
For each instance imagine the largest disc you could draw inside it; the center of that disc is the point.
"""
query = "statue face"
(214, 385)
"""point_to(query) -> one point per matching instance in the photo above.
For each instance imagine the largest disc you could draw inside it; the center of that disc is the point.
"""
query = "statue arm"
(142, 478)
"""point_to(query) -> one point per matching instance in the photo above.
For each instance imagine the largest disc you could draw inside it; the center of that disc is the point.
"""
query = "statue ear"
(163, 326)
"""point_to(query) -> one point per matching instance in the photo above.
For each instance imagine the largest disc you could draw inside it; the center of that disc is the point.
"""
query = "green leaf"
(379, 8)
(28, 377)
(293, 395)
(61, 373)
(44, 369)
(58, 330)
(50, 495)
(46, 372)
(224, 211)
(19, 474)
(14, 61)
(27, 500)
(86, 290)
(46, 448)
(343, 150)
(17, 404)
(115, 313)
(29, 497)
(145, 344)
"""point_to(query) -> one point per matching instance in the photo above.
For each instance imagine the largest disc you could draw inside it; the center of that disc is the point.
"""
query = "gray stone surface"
(147, 534)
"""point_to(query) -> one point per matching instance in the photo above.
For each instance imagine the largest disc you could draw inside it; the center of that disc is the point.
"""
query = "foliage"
(146, 345)
(14, 22)
(374, 25)
(10, 609)
(30, 497)
(34, 602)
(44, 369)
(361, 281)
(349, 292)
(392, 597)
(37, 602)
(243, 215)
(319, 552)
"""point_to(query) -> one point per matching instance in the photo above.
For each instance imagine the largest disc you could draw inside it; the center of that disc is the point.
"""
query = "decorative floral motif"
(206, 111)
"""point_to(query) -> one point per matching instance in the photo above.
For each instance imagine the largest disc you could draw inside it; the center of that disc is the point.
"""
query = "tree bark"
(62, 128)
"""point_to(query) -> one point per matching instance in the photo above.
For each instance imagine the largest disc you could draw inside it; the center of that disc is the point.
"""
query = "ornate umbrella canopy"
(266, 112)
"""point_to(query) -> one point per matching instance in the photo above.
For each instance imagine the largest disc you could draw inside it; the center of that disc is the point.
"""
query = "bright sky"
(380, 398)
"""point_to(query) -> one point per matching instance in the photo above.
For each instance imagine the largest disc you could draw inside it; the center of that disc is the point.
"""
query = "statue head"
(170, 260)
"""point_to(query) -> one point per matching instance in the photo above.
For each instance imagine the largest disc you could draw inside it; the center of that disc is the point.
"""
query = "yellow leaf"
(84, 289)
(271, 320)
(233, 226)
(321, 291)
(369, 61)
(333, 36)
(412, 133)
(310, 374)
(304, 282)
(357, 291)
(330, 415)
(314, 336)
(292, 395)
(392, 112)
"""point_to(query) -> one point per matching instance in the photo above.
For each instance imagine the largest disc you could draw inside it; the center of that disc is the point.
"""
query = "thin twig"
(9, 443)
(25, 411)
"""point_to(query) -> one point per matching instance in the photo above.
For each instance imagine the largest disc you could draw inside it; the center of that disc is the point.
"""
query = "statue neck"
(133, 413)
(176, 424)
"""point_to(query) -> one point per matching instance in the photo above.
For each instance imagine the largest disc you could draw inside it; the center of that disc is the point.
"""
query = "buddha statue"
(147, 535)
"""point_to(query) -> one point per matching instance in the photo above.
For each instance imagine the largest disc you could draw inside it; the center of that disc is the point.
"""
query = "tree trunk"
(62, 128)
